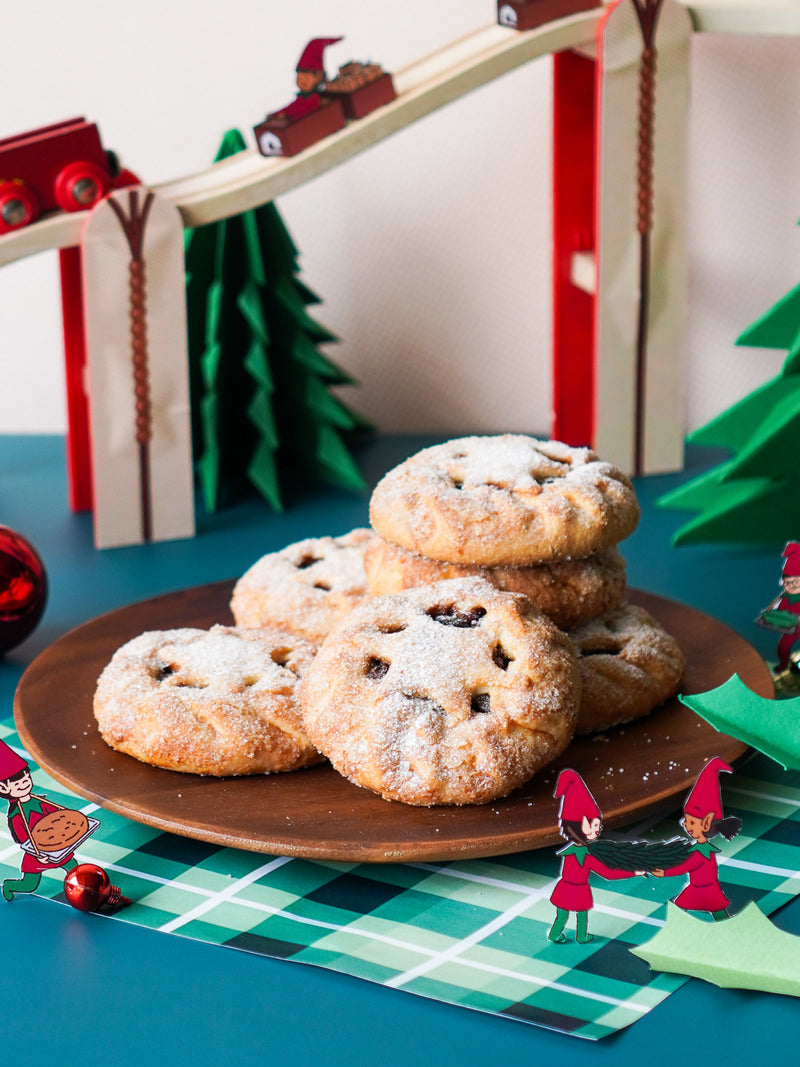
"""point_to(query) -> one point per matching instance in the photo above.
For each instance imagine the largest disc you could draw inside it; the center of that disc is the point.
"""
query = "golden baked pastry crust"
(629, 666)
(306, 587)
(509, 499)
(59, 829)
(570, 592)
(220, 702)
(453, 693)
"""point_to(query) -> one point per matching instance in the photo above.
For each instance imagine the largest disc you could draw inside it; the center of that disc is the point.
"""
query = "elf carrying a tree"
(783, 614)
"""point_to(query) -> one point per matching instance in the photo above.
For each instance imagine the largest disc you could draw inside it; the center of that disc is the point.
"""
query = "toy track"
(248, 179)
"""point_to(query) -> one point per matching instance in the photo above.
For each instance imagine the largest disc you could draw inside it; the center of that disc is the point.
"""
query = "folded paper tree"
(262, 411)
(754, 494)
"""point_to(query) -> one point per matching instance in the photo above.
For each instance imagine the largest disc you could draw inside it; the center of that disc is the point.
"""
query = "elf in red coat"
(311, 80)
(580, 824)
(25, 809)
(784, 612)
(702, 819)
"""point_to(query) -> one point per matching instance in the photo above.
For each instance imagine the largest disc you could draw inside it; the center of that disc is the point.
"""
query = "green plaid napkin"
(471, 933)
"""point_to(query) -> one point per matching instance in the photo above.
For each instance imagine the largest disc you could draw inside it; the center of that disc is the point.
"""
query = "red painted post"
(574, 210)
(79, 449)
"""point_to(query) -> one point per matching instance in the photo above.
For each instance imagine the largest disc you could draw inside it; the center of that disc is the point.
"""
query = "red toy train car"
(322, 107)
(60, 166)
(529, 14)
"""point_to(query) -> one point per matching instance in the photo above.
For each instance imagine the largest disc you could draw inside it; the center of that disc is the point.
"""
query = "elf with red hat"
(25, 809)
(703, 819)
(311, 80)
(580, 823)
(783, 613)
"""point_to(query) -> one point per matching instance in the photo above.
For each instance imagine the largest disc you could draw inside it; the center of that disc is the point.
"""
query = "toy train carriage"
(60, 166)
(283, 133)
(358, 89)
(528, 14)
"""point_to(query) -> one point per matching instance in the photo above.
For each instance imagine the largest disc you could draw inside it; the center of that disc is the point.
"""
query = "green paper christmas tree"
(262, 411)
(755, 494)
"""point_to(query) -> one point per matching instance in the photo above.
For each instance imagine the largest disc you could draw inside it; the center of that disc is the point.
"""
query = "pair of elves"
(580, 823)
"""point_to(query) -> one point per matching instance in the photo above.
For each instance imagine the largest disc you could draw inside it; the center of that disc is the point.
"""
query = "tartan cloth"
(471, 933)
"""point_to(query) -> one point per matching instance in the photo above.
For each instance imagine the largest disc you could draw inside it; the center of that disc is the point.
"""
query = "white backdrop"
(430, 251)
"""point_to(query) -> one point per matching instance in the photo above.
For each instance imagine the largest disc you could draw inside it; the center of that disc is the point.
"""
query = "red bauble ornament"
(88, 888)
(23, 588)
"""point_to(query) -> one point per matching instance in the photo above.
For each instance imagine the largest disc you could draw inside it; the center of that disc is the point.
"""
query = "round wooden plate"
(632, 770)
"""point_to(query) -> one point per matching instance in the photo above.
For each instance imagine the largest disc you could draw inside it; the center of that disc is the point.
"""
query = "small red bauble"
(23, 588)
(87, 888)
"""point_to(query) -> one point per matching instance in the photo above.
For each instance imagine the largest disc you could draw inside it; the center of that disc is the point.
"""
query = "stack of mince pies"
(442, 656)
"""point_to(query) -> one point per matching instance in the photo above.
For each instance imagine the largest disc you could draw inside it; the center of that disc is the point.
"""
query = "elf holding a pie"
(46, 848)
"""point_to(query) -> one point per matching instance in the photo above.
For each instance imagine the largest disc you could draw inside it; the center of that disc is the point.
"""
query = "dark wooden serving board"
(633, 771)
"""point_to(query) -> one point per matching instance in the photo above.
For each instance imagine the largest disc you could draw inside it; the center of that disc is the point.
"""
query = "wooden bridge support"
(137, 358)
(628, 403)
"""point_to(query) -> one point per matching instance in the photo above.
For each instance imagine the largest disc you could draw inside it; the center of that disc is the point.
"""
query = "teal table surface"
(98, 991)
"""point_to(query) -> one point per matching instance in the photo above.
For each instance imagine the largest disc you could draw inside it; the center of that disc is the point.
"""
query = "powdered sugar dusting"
(448, 713)
(222, 701)
(306, 587)
(509, 499)
(629, 665)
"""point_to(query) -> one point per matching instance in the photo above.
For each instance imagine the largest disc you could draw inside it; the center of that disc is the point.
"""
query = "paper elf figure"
(25, 809)
(311, 79)
(580, 824)
(702, 819)
(783, 613)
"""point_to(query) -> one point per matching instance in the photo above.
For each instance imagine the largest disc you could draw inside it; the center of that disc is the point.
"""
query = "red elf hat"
(311, 59)
(10, 763)
(791, 555)
(576, 800)
(704, 795)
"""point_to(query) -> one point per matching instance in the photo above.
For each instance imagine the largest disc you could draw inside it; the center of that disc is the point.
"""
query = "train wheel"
(18, 206)
(269, 144)
(80, 185)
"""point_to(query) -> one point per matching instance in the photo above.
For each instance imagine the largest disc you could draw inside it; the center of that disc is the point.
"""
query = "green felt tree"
(262, 411)
(754, 495)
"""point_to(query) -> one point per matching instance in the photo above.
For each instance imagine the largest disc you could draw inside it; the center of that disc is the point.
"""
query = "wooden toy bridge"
(249, 179)
(596, 71)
